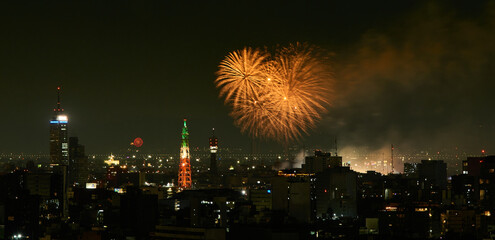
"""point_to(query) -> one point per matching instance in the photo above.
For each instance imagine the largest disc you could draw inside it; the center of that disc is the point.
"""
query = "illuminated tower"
(59, 142)
(213, 153)
(185, 162)
(59, 153)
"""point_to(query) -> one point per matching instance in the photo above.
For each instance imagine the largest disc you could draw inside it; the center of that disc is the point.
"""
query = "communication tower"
(185, 181)
(213, 153)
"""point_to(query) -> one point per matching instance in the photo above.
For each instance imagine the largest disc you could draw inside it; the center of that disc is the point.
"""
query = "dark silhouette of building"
(321, 161)
(482, 170)
(487, 182)
(19, 210)
(50, 188)
(336, 193)
(433, 173)
(371, 188)
(78, 163)
(465, 190)
(293, 193)
(472, 166)
(138, 212)
(172, 232)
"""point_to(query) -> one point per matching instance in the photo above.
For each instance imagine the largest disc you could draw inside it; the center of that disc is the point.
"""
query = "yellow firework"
(278, 97)
(301, 90)
(240, 75)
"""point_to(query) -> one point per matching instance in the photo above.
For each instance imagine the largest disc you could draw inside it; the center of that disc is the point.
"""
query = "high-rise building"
(336, 193)
(483, 169)
(59, 150)
(321, 161)
(465, 190)
(59, 144)
(472, 165)
(185, 160)
(433, 173)
(293, 193)
(78, 163)
(213, 153)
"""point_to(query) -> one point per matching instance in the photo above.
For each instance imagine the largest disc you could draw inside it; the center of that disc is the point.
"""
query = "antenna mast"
(392, 157)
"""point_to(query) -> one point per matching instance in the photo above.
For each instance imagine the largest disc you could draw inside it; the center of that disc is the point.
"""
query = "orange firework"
(277, 97)
(301, 90)
(241, 74)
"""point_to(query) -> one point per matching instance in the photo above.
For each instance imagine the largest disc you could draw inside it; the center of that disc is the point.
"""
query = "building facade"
(59, 141)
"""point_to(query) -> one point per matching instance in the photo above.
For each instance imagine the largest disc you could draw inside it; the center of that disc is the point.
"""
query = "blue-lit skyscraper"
(59, 141)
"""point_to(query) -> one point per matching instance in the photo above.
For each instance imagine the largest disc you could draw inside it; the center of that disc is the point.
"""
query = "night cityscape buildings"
(243, 198)
(280, 81)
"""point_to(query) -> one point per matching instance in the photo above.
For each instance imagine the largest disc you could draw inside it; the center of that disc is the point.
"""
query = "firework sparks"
(278, 97)
(241, 75)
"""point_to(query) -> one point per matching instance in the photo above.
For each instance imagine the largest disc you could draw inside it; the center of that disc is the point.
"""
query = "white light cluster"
(62, 118)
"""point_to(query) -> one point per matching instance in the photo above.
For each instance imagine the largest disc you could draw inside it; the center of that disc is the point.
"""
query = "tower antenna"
(392, 156)
(58, 99)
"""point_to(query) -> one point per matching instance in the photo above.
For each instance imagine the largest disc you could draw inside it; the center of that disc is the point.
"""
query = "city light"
(62, 118)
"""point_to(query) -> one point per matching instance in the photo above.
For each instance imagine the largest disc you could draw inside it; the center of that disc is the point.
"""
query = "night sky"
(419, 74)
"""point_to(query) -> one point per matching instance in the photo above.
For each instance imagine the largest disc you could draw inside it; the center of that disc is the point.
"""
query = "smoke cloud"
(425, 81)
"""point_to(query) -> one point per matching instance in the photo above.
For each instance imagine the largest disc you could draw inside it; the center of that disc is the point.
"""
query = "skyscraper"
(78, 163)
(213, 153)
(185, 160)
(59, 151)
(59, 145)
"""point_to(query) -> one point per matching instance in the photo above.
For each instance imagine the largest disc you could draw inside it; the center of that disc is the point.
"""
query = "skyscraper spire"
(185, 162)
(58, 109)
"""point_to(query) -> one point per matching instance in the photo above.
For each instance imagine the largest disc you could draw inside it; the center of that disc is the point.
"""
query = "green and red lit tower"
(185, 181)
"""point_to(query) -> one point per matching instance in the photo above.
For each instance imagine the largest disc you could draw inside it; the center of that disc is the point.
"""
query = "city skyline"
(247, 119)
(140, 71)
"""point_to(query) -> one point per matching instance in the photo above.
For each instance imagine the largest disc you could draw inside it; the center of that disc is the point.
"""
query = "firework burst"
(279, 96)
(241, 75)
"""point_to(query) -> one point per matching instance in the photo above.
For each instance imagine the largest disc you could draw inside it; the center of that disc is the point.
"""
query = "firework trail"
(279, 96)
